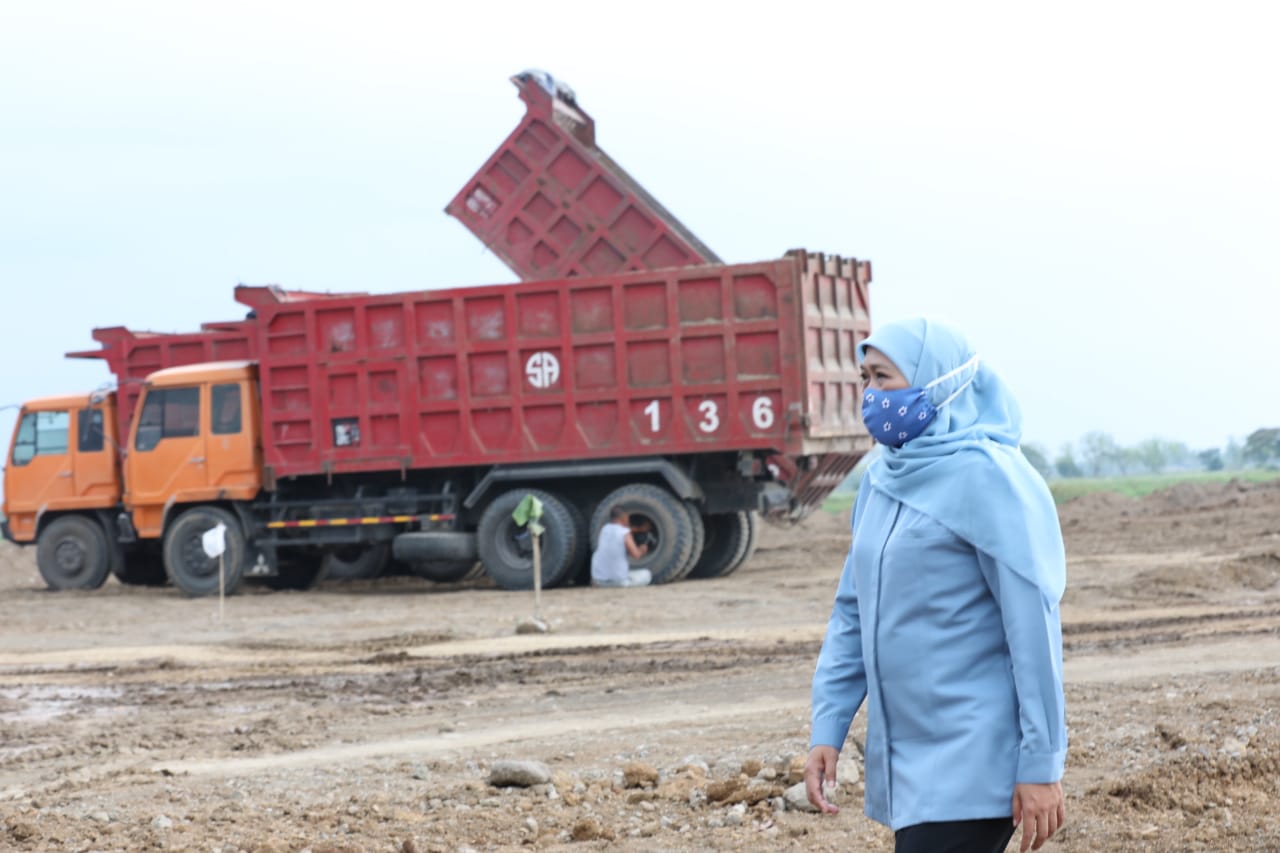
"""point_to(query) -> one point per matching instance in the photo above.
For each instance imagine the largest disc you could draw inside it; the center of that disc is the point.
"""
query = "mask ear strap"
(973, 362)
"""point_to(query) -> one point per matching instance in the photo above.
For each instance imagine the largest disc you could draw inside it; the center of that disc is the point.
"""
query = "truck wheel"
(727, 536)
(141, 567)
(672, 537)
(355, 563)
(699, 541)
(749, 546)
(72, 553)
(506, 549)
(189, 567)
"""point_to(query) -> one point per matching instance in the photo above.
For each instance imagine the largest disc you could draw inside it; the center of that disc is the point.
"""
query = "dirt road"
(368, 716)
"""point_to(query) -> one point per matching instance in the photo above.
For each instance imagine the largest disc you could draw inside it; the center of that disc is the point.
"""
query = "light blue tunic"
(959, 659)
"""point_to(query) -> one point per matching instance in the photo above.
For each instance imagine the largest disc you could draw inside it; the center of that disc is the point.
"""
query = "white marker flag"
(215, 540)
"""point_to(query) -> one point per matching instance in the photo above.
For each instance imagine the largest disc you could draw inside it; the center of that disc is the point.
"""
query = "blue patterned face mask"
(895, 417)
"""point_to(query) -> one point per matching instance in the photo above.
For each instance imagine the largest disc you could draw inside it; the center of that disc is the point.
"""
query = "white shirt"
(609, 562)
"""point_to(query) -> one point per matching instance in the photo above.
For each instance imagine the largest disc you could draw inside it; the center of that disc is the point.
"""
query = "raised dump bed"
(551, 204)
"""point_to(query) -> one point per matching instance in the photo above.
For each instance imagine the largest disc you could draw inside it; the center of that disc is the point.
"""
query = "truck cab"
(194, 441)
(62, 488)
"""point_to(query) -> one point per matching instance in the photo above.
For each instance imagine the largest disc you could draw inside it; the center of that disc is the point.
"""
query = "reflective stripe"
(340, 522)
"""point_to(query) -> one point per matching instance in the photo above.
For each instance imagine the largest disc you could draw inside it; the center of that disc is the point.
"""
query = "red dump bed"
(690, 360)
(133, 356)
(551, 204)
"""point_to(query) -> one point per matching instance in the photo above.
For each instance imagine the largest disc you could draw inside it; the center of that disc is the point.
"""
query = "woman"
(946, 616)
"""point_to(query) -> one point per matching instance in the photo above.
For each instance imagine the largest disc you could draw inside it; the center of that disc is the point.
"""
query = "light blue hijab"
(965, 471)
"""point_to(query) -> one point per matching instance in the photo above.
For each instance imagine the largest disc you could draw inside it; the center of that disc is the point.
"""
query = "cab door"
(167, 461)
(235, 459)
(39, 473)
(96, 467)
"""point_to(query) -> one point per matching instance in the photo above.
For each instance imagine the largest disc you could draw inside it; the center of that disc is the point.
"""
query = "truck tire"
(446, 571)
(141, 567)
(189, 567)
(699, 541)
(355, 562)
(727, 536)
(428, 546)
(749, 546)
(505, 548)
(442, 556)
(72, 553)
(673, 534)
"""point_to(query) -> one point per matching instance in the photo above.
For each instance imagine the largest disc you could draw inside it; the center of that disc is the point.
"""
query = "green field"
(1134, 487)
(1144, 484)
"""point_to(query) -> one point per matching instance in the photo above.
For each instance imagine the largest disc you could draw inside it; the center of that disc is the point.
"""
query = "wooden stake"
(222, 583)
(537, 578)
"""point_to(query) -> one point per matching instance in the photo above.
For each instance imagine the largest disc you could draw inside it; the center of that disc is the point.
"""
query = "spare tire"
(445, 571)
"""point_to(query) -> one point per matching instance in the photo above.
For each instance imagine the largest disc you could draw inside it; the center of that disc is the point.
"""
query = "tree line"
(1098, 454)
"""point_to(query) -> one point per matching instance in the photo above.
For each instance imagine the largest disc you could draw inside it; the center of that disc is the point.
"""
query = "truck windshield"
(39, 434)
(168, 413)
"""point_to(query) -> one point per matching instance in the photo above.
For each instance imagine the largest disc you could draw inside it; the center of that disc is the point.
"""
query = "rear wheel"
(699, 541)
(726, 546)
(355, 562)
(748, 547)
(189, 567)
(666, 528)
(506, 548)
(72, 553)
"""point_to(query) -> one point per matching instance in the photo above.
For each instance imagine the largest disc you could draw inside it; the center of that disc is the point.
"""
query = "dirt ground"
(369, 716)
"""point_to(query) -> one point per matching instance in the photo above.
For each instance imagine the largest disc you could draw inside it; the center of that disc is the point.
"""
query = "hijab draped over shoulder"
(966, 471)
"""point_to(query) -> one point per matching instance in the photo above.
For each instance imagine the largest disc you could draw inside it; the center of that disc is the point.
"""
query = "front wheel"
(189, 567)
(72, 553)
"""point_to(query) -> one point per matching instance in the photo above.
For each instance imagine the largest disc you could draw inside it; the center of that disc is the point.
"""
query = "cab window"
(168, 413)
(40, 434)
(89, 437)
(226, 409)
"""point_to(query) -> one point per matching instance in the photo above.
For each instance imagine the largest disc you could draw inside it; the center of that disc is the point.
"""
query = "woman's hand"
(820, 768)
(1040, 809)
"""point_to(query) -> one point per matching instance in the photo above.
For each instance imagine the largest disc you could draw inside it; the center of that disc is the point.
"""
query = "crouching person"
(609, 566)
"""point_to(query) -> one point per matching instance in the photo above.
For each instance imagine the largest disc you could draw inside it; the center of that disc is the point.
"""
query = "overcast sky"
(1090, 190)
